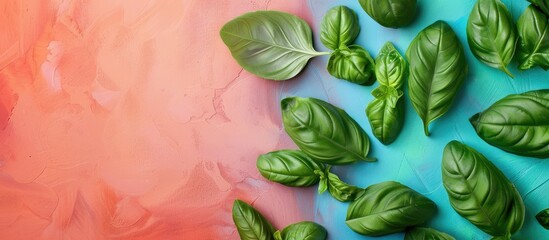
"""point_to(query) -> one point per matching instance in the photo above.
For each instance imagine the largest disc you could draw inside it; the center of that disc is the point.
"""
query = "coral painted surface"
(129, 119)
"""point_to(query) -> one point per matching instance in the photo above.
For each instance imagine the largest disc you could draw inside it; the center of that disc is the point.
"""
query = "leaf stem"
(506, 71)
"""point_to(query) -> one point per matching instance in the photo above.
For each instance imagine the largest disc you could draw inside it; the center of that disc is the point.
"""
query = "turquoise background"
(415, 159)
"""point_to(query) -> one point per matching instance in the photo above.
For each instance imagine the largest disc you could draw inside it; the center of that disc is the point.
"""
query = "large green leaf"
(391, 68)
(542, 4)
(289, 167)
(302, 231)
(518, 123)
(324, 132)
(353, 64)
(386, 116)
(437, 71)
(340, 190)
(420, 233)
(390, 13)
(388, 207)
(543, 218)
(270, 44)
(339, 27)
(479, 191)
(251, 225)
(492, 34)
(533, 29)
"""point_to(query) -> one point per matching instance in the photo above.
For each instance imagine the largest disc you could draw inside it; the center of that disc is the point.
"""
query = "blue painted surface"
(413, 158)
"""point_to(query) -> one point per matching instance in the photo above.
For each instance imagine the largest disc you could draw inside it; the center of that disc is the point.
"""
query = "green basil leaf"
(391, 69)
(270, 44)
(388, 207)
(390, 13)
(353, 64)
(541, 4)
(340, 190)
(437, 71)
(339, 27)
(479, 191)
(543, 218)
(518, 123)
(533, 29)
(420, 233)
(386, 117)
(304, 231)
(251, 225)
(323, 184)
(289, 167)
(507, 236)
(491, 34)
(324, 132)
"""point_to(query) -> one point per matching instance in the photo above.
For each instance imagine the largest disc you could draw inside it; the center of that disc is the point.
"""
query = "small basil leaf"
(479, 191)
(390, 13)
(339, 27)
(437, 71)
(289, 167)
(491, 34)
(543, 5)
(270, 44)
(340, 190)
(304, 231)
(353, 64)
(251, 225)
(391, 69)
(324, 132)
(518, 123)
(533, 29)
(543, 218)
(419, 233)
(386, 117)
(388, 207)
(323, 184)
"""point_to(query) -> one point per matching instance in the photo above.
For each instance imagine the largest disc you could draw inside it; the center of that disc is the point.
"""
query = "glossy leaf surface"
(270, 44)
(289, 167)
(303, 231)
(518, 124)
(420, 233)
(492, 34)
(543, 218)
(251, 225)
(391, 13)
(353, 64)
(388, 207)
(386, 116)
(541, 4)
(533, 29)
(339, 27)
(437, 71)
(324, 132)
(391, 68)
(479, 191)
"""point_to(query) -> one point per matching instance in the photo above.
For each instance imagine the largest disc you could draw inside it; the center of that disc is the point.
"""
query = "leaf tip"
(474, 120)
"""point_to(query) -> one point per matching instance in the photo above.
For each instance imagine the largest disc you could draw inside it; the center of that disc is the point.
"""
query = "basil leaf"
(391, 69)
(491, 34)
(251, 225)
(270, 44)
(543, 5)
(390, 13)
(304, 231)
(543, 218)
(518, 123)
(339, 27)
(533, 29)
(437, 71)
(324, 132)
(420, 233)
(388, 207)
(289, 167)
(340, 190)
(386, 117)
(479, 191)
(353, 64)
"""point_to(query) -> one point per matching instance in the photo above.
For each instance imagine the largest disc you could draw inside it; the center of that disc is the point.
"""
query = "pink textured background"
(128, 119)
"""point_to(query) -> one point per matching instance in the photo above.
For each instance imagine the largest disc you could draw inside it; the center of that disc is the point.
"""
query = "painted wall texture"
(129, 119)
